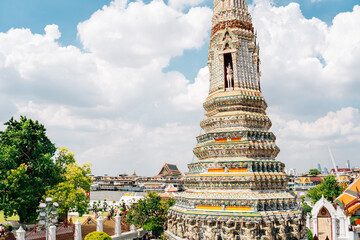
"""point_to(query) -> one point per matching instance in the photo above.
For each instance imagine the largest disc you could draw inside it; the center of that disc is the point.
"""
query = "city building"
(348, 164)
(341, 171)
(123, 182)
(168, 175)
(236, 188)
(319, 168)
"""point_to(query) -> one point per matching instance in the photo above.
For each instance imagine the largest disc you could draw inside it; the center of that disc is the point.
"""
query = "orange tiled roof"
(349, 199)
(353, 209)
(354, 188)
(346, 199)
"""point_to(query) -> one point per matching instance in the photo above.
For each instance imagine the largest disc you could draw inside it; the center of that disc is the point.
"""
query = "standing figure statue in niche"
(229, 76)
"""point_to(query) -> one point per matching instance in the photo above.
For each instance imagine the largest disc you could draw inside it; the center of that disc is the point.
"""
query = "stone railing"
(133, 234)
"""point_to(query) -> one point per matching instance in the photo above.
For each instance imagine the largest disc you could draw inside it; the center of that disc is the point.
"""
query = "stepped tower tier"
(236, 188)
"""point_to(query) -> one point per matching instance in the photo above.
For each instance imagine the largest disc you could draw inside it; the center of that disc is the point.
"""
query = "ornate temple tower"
(236, 189)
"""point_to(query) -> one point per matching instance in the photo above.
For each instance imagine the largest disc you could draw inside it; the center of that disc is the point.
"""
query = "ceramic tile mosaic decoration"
(236, 189)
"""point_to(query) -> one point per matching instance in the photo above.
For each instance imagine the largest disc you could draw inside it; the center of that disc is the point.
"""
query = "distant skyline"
(121, 83)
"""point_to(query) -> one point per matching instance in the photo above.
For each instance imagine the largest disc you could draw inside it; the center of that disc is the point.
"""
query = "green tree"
(150, 213)
(314, 172)
(112, 208)
(27, 169)
(71, 192)
(305, 206)
(329, 188)
(63, 159)
(105, 206)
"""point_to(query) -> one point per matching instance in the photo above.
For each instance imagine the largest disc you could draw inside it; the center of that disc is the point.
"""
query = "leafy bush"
(8, 227)
(307, 208)
(150, 213)
(97, 236)
(352, 220)
(310, 235)
(329, 188)
(314, 172)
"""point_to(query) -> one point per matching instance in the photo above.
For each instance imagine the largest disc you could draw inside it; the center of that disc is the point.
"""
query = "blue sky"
(129, 91)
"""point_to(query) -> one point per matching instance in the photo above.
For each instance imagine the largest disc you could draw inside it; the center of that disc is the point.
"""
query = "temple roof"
(341, 170)
(169, 170)
(349, 200)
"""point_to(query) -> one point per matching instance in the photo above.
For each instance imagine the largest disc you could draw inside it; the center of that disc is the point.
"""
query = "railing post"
(52, 233)
(308, 221)
(77, 235)
(132, 228)
(117, 225)
(99, 226)
(20, 234)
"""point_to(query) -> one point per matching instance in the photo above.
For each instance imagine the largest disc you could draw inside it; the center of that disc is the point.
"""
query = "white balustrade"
(77, 234)
(117, 225)
(20, 234)
(100, 226)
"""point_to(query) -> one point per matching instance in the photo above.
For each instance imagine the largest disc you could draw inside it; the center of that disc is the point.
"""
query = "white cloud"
(52, 32)
(342, 123)
(115, 106)
(307, 142)
(196, 92)
(308, 72)
(144, 34)
(112, 104)
(315, 64)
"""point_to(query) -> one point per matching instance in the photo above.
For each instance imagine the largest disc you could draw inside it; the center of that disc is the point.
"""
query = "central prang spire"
(236, 189)
(233, 43)
(220, 5)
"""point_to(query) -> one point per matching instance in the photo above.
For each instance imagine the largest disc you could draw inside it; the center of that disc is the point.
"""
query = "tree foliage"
(150, 213)
(70, 193)
(310, 235)
(306, 207)
(27, 170)
(329, 188)
(314, 172)
(63, 159)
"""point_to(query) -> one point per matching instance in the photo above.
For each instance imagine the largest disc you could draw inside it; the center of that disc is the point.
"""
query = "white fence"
(133, 234)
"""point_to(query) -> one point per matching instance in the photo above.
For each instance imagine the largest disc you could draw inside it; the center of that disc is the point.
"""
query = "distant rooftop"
(169, 170)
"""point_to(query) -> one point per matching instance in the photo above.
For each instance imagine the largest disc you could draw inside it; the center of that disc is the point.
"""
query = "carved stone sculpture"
(296, 231)
(229, 76)
(267, 228)
(180, 230)
(248, 231)
(210, 231)
(282, 230)
(228, 233)
(191, 230)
